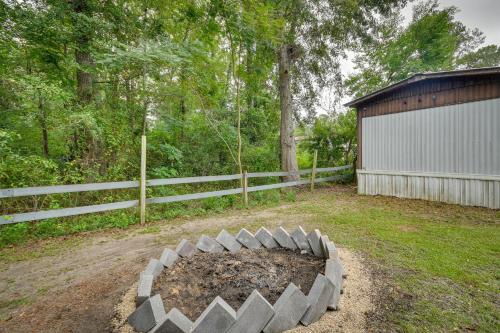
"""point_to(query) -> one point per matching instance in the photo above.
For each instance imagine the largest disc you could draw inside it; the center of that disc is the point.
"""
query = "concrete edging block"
(288, 310)
(265, 237)
(314, 240)
(144, 288)
(227, 240)
(154, 267)
(174, 322)
(207, 244)
(333, 272)
(147, 315)
(217, 317)
(299, 236)
(185, 249)
(253, 315)
(331, 251)
(283, 238)
(323, 241)
(248, 240)
(168, 257)
(319, 298)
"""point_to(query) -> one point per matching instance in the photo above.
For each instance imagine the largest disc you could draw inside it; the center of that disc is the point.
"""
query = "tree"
(334, 137)
(315, 36)
(486, 56)
(433, 41)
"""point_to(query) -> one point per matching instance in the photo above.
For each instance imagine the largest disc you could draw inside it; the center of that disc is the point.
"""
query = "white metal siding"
(464, 191)
(461, 138)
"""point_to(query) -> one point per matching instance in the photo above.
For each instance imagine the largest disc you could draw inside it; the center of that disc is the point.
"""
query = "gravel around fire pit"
(191, 284)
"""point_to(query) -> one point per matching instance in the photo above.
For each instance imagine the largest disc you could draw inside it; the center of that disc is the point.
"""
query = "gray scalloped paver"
(147, 315)
(168, 257)
(144, 288)
(331, 251)
(248, 240)
(319, 298)
(333, 272)
(253, 315)
(154, 267)
(265, 237)
(218, 317)
(185, 249)
(299, 236)
(314, 240)
(228, 241)
(174, 322)
(288, 310)
(324, 239)
(283, 238)
(210, 245)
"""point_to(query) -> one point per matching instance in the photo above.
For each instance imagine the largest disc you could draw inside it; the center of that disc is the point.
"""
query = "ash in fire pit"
(190, 285)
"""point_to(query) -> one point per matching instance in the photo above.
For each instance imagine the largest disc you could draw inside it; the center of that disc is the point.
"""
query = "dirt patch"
(390, 300)
(408, 228)
(191, 284)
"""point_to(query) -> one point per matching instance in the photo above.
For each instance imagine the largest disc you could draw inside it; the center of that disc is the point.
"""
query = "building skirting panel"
(467, 190)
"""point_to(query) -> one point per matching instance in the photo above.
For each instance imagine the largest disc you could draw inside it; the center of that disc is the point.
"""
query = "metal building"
(433, 136)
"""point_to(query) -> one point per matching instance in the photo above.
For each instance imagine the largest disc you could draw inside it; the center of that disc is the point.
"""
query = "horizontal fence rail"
(28, 191)
(64, 212)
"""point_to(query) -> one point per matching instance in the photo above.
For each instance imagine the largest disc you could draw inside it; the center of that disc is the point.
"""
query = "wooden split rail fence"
(55, 213)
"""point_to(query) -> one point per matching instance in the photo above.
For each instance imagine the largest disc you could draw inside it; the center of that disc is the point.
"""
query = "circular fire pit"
(274, 280)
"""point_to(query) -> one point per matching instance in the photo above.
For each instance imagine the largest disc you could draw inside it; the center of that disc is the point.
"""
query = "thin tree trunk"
(287, 141)
(144, 75)
(238, 110)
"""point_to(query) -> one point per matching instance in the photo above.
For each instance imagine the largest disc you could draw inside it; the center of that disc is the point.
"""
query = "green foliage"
(434, 40)
(334, 137)
(487, 56)
(81, 81)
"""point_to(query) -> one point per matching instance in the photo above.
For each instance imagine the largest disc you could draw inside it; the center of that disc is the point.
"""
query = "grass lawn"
(436, 266)
(443, 259)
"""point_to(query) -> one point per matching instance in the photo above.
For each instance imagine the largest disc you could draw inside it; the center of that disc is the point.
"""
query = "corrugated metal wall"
(461, 138)
(469, 192)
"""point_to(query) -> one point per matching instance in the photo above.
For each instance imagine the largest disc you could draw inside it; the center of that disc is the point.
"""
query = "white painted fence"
(54, 213)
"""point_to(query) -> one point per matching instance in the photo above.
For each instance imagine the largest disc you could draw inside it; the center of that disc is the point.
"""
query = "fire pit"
(202, 285)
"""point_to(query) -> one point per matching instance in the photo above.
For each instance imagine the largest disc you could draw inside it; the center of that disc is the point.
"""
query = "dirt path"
(75, 291)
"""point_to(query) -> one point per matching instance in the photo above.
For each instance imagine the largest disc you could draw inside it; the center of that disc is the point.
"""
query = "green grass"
(446, 256)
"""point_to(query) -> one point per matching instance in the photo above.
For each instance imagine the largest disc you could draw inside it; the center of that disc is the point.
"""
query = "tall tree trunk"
(82, 53)
(83, 78)
(43, 125)
(288, 150)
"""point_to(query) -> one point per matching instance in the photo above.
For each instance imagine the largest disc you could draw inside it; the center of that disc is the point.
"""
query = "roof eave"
(421, 77)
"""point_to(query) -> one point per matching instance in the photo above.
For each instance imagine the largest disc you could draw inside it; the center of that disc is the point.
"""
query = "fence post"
(313, 174)
(245, 187)
(143, 180)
